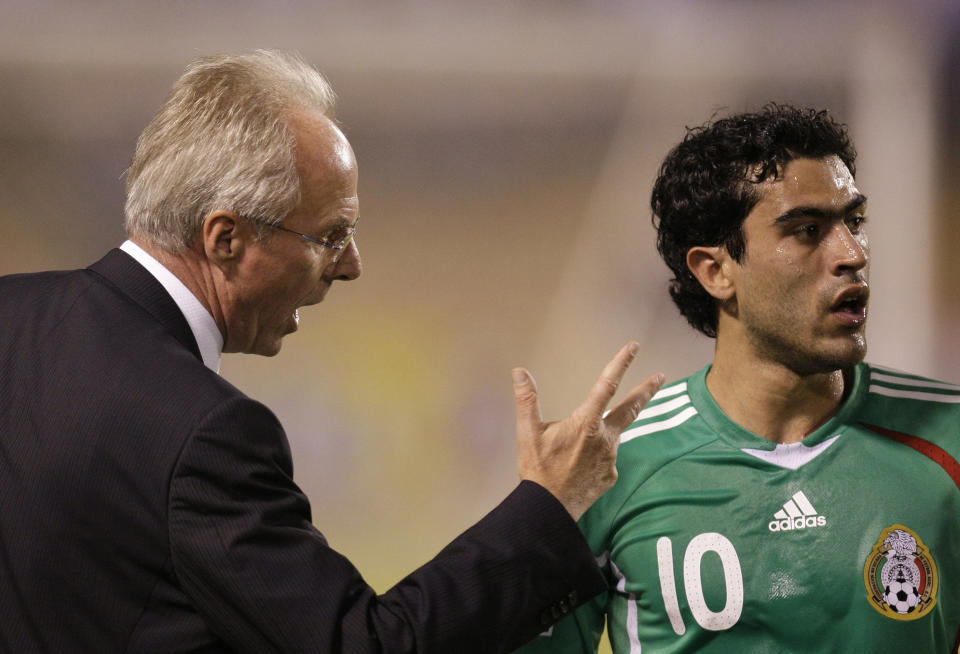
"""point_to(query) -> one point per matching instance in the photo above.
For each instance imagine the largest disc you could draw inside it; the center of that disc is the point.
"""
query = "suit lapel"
(134, 281)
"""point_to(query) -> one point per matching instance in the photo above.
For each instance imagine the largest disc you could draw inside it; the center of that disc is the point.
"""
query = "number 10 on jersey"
(693, 584)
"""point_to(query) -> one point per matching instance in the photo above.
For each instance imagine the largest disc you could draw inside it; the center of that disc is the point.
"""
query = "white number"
(732, 579)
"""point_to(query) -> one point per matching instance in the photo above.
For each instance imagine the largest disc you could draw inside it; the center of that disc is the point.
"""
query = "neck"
(195, 273)
(771, 400)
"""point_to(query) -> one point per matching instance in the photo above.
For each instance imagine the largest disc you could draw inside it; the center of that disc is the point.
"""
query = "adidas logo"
(797, 513)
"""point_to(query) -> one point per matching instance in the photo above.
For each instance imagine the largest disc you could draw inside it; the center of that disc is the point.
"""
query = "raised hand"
(575, 458)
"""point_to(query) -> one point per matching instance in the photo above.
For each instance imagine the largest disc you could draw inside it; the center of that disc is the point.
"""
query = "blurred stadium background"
(506, 152)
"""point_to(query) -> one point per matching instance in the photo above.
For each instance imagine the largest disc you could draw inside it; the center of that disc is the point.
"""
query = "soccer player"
(788, 497)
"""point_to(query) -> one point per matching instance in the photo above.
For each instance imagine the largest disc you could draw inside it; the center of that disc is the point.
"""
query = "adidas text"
(800, 522)
(797, 513)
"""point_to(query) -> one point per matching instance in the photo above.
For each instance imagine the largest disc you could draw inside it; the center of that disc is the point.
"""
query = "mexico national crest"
(901, 575)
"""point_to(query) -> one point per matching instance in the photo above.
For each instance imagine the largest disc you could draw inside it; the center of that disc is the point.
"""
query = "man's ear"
(715, 269)
(224, 237)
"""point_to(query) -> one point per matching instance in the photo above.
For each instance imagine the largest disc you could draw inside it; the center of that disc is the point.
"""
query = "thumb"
(525, 395)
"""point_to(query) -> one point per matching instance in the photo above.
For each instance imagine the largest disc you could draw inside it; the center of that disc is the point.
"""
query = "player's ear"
(714, 269)
(224, 236)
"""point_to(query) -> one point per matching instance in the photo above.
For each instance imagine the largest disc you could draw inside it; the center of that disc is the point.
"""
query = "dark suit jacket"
(146, 505)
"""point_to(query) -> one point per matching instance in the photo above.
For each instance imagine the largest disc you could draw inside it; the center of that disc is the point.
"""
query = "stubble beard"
(806, 358)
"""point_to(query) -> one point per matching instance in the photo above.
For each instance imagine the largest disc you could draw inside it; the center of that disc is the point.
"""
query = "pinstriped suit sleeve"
(265, 580)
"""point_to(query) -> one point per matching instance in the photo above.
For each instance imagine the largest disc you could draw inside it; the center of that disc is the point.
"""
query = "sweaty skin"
(793, 310)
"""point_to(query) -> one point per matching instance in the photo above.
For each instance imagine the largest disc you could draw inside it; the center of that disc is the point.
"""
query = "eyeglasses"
(337, 239)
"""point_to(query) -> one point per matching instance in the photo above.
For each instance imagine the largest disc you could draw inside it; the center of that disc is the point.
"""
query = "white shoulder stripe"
(652, 427)
(666, 407)
(920, 383)
(895, 371)
(911, 395)
(670, 391)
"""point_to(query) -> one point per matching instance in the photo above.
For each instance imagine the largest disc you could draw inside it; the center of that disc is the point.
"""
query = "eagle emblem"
(901, 575)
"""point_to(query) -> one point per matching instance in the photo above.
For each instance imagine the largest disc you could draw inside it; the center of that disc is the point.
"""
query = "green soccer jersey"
(718, 540)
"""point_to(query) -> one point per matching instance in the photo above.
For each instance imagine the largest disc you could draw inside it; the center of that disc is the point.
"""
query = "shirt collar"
(204, 328)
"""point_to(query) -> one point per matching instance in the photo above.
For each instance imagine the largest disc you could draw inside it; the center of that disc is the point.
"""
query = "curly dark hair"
(708, 184)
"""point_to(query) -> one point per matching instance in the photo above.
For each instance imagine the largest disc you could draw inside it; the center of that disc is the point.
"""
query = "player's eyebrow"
(816, 212)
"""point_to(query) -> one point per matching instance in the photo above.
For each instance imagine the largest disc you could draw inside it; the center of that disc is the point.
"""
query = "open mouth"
(851, 307)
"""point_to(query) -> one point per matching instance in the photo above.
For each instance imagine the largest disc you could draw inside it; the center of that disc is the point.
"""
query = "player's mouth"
(849, 308)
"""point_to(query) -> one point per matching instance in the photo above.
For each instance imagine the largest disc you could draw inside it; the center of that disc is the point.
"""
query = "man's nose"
(348, 266)
(851, 251)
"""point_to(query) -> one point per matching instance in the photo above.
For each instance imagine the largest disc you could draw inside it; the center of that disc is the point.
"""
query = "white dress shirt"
(204, 328)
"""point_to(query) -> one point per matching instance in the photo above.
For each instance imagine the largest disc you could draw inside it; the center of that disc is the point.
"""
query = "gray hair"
(222, 141)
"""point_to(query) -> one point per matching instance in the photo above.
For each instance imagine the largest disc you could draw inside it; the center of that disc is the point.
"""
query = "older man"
(147, 505)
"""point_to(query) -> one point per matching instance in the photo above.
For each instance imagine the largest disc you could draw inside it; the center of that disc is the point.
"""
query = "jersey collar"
(739, 437)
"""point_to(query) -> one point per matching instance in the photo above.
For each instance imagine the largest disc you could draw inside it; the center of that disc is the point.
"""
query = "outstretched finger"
(606, 386)
(529, 417)
(630, 407)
